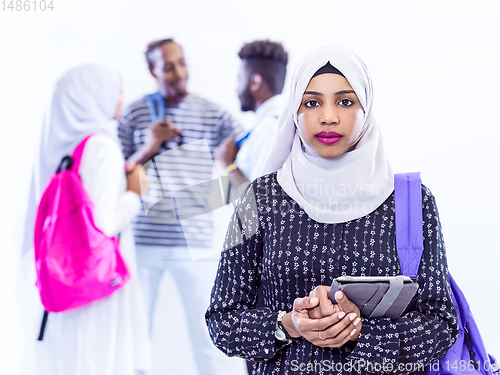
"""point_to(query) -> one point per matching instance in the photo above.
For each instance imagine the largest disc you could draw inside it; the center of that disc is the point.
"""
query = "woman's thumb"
(313, 301)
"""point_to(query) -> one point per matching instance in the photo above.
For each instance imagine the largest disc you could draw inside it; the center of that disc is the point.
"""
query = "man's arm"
(228, 128)
(226, 156)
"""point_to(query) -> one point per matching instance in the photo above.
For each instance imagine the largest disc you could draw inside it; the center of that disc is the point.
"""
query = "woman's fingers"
(346, 325)
(305, 303)
(335, 342)
(345, 304)
(337, 335)
(300, 314)
(325, 307)
(315, 313)
(309, 327)
(357, 324)
(335, 330)
(332, 330)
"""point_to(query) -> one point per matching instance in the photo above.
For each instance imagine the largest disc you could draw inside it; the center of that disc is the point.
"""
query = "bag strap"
(395, 287)
(408, 205)
(42, 327)
(156, 106)
(78, 152)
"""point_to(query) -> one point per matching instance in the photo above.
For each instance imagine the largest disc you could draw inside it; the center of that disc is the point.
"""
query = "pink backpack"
(76, 263)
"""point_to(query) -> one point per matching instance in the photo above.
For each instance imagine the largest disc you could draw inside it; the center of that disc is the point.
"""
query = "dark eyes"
(346, 102)
(311, 103)
(314, 103)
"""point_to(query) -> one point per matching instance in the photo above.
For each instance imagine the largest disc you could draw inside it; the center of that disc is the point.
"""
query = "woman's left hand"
(136, 179)
(325, 307)
(351, 327)
(346, 329)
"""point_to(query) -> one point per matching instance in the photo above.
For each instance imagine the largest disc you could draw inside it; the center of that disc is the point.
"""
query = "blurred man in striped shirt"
(176, 137)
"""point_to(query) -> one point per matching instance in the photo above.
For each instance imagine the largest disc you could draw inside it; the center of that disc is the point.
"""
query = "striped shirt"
(183, 184)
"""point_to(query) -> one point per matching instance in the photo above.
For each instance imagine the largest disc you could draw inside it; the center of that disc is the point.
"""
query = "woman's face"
(330, 116)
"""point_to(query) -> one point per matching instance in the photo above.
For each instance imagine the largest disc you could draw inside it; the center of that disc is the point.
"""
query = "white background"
(435, 67)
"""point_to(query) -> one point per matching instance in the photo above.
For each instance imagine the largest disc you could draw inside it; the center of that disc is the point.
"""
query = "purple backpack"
(468, 355)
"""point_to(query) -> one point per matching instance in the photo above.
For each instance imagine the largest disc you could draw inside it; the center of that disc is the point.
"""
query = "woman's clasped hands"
(321, 322)
(136, 179)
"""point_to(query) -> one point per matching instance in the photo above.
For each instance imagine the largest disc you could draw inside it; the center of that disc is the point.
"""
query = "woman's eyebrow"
(342, 92)
(313, 93)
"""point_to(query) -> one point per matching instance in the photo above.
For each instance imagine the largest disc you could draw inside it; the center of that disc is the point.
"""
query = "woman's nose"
(329, 115)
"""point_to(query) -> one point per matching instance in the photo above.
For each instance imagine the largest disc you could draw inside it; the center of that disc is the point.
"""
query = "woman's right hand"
(136, 179)
(331, 331)
(325, 306)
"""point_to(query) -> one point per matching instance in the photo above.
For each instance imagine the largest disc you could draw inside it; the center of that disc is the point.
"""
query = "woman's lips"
(328, 138)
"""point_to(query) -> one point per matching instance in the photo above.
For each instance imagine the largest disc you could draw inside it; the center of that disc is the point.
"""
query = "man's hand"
(226, 152)
(159, 132)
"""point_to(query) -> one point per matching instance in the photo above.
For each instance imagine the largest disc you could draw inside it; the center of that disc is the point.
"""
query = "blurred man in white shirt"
(260, 82)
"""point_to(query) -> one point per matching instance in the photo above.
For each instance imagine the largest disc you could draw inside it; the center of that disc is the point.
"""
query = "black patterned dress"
(273, 242)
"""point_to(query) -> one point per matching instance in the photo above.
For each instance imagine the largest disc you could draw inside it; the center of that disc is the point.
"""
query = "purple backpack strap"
(78, 152)
(469, 347)
(408, 205)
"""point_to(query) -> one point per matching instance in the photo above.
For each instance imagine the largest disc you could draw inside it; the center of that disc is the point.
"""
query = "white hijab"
(84, 101)
(339, 189)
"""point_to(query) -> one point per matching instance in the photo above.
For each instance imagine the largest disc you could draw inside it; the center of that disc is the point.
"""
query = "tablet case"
(380, 296)
(388, 296)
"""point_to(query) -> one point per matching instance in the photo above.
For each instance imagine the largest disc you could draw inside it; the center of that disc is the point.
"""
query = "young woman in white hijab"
(325, 208)
(109, 336)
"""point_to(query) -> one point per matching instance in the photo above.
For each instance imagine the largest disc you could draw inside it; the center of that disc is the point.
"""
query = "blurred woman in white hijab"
(108, 336)
(324, 208)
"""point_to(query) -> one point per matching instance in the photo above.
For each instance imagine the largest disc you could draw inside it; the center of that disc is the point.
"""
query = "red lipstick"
(329, 138)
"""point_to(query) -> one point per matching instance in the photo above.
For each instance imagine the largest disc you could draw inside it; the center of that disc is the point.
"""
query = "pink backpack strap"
(77, 154)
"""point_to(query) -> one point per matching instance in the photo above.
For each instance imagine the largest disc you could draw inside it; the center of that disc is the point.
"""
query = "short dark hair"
(152, 47)
(269, 59)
